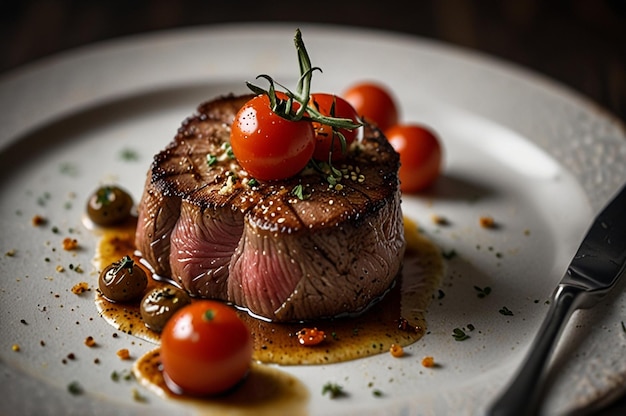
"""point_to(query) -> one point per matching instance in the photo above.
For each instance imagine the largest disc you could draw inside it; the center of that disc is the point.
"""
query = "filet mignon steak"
(211, 229)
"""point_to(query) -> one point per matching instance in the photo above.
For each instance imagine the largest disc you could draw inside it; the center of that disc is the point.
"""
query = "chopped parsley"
(482, 292)
(333, 389)
(506, 311)
(298, 191)
(129, 155)
(74, 388)
(459, 335)
(68, 168)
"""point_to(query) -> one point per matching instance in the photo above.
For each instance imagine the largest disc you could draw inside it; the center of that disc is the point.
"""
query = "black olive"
(109, 205)
(123, 281)
(159, 304)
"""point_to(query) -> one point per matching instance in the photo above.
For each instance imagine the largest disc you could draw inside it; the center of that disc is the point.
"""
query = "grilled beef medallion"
(289, 250)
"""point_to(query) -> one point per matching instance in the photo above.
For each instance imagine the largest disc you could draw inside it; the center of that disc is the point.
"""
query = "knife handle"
(522, 395)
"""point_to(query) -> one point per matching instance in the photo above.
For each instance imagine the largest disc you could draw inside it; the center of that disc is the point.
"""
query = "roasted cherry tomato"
(268, 146)
(109, 205)
(374, 103)
(205, 349)
(325, 137)
(420, 155)
(122, 281)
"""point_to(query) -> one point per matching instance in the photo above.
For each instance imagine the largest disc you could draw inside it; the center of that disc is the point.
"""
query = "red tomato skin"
(268, 146)
(420, 155)
(324, 134)
(201, 357)
(374, 103)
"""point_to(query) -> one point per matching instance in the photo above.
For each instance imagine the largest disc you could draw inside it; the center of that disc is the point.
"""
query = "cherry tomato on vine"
(268, 146)
(420, 155)
(374, 103)
(205, 348)
(325, 137)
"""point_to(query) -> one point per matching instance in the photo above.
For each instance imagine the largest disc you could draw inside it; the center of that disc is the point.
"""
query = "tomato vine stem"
(304, 111)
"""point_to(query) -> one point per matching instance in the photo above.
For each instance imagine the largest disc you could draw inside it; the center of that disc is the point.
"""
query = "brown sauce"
(396, 319)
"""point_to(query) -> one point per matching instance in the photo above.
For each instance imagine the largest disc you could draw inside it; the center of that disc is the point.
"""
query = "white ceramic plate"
(538, 158)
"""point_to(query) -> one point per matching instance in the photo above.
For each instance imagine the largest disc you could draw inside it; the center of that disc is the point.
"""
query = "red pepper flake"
(70, 244)
(123, 354)
(396, 350)
(310, 336)
(38, 220)
(90, 342)
(404, 325)
(487, 222)
(428, 362)
(80, 287)
(439, 220)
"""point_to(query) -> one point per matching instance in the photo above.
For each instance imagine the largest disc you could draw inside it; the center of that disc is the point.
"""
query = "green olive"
(159, 304)
(109, 205)
(123, 281)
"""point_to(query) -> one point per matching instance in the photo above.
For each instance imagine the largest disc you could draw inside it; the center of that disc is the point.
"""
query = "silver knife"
(593, 272)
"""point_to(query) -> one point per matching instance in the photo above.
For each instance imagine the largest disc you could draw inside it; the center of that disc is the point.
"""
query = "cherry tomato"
(420, 155)
(205, 349)
(325, 137)
(374, 103)
(268, 146)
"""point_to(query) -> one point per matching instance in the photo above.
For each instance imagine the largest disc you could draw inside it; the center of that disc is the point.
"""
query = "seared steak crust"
(204, 224)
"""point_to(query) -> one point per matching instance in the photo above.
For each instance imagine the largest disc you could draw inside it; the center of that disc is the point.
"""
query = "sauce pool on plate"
(396, 319)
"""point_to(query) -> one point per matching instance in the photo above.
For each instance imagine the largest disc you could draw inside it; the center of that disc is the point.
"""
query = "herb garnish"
(129, 155)
(506, 311)
(333, 389)
(298, 191)
(125, 263)
(482, 292)
(459, 335)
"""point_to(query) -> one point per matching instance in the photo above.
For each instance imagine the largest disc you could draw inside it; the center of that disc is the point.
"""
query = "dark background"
(578, 43)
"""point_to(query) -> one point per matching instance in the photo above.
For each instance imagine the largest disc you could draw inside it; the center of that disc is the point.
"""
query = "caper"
(159, 304)
(122, 281)
(109, 205)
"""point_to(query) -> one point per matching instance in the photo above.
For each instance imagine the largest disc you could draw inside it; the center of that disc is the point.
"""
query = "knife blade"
(593, 272)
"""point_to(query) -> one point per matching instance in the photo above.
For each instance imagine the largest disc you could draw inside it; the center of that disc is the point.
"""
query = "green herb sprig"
(287, 109)
(333, 389)
(459, 335)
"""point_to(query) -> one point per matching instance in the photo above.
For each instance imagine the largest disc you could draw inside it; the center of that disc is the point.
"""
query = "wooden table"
(578, 43)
